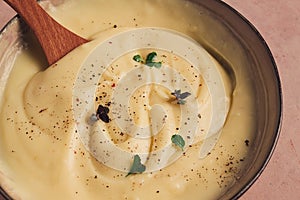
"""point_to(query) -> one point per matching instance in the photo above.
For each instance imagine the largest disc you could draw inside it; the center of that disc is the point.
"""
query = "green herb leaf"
(180, 96)
(137, 166)
(184, 95)
(150, 57)
(149, 60)
(154, 64)
(138, 58)
(176, 93)
(178, 141)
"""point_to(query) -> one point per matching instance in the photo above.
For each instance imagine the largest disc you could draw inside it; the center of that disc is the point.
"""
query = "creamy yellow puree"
(43, 153)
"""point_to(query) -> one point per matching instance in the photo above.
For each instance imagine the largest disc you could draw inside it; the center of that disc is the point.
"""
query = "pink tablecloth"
(279, 23)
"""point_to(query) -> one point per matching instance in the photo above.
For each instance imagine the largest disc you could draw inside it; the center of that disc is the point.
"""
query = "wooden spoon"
(55, 39)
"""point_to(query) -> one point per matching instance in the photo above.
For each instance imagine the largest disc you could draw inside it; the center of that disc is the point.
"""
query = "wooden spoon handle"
(55, 40)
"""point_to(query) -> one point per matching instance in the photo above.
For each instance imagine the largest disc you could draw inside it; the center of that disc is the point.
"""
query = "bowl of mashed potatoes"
(187, 107)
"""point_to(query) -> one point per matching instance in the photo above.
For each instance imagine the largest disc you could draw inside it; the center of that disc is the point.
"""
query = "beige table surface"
(279, 23)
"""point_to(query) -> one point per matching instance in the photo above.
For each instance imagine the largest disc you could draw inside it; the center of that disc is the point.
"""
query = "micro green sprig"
(149, 60)
(180, 97)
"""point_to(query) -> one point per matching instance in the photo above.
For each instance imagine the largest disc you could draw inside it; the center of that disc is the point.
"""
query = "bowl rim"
(278, 127)
(280, 95)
